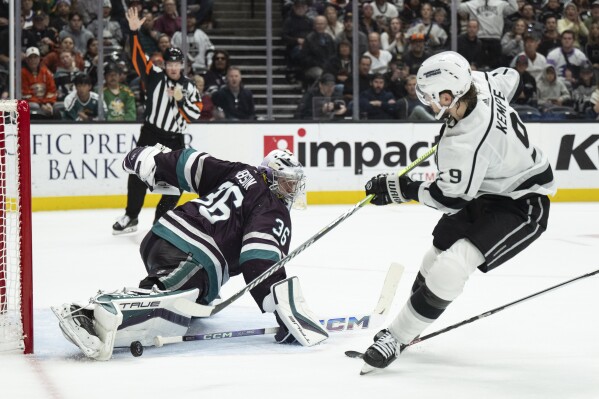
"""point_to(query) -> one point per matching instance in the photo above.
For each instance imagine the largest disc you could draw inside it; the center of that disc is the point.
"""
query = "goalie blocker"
(117, 319)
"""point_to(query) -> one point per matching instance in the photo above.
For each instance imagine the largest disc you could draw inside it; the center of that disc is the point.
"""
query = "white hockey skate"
(131, 317)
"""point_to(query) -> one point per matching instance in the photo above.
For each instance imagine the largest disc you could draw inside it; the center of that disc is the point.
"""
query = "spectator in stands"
(567, 56)
(533, 27)
(571, 21)
(203, 15)
(551, 38)
(393, 41)
(512, 42)
(395, 79)
(216, 76)
(199, 46)
(348, 31)
(380, 58)
(593, 112)
(164, 42)
(119, 100)
(376, 102)
(60, 17)
(416, 53)
(157, 59)
(553, 8)
(368, 22)
(410, 12)
(551, 89)
(295, 29)
(582, 93)
(170, 21)
(234, 100)
(363, 79)
(440, 17)
(37, 84)
(592, 46)
(76, 30)
(111, 29)
(528, 94)
(334, 26)
(148, 36)
(490, 15)
(90, 60)
(65, 74)
(207, 104)
(27, 13)
(385, 9)
(82, 103)
(343, 65)
(435, 37)
(594, 15)
(40, 35)
(86, 8)
(318, 52)
(536, 61)
(409, 107)
(52, 60)
(319, 102)
(469, 45)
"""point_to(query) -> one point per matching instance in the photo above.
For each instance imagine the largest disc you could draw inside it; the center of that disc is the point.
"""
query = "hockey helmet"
(285, 175)
(446, 71)
(172, 54)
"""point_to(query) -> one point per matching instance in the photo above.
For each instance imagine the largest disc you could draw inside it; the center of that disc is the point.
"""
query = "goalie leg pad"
(293, 311)
(122, 317)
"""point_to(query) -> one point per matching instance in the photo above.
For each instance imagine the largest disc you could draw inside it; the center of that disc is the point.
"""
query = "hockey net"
(16, 306)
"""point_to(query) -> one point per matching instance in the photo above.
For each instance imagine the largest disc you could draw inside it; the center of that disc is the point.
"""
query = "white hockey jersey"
(487, 152)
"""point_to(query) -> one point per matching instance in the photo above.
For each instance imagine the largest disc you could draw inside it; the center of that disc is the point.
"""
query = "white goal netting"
(12, 331)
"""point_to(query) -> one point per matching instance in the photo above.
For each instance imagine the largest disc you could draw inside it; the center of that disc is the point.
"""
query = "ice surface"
(547, 347)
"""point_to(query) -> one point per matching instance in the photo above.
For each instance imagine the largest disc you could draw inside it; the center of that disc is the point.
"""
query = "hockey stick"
(333, 324)
(357, 354)
(496, 310)
(197, 310)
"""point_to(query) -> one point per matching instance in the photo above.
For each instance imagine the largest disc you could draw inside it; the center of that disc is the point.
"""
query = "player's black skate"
(382, 353)
(125, 224)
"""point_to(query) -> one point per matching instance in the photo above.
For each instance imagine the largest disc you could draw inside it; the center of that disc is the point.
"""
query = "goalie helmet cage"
(16, 288)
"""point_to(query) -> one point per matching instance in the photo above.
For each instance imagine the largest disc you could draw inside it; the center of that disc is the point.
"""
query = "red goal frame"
(25, 244)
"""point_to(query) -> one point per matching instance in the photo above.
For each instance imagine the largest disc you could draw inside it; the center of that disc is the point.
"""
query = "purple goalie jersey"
(236, 226)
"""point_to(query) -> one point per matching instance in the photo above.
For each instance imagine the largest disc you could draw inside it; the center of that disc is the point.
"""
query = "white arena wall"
(77, 166)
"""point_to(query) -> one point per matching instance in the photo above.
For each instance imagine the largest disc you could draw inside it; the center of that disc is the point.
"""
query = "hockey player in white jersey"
(492, 186)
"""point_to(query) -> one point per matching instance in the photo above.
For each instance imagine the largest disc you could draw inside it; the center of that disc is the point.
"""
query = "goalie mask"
(285, 176)
(446, 71)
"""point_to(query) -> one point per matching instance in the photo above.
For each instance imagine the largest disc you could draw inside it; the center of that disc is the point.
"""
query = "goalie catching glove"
(297, 323)
(140, 161)
(388, 188)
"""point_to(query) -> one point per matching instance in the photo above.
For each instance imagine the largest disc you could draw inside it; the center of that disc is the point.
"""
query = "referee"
(172, 101)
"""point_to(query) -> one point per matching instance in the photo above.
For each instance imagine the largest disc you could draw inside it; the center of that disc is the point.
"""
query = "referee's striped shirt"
(162, 111)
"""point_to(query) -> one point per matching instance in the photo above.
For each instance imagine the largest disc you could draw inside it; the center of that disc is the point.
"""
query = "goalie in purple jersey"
(240, 225)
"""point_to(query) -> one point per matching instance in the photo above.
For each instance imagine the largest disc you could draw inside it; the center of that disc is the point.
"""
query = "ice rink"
(547, 347)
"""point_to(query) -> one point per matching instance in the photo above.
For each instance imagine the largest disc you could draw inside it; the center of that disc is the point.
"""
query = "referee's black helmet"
(173, 54)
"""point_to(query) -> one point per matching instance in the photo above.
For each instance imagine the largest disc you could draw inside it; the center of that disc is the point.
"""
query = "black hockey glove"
(283, 336)
(388, 188)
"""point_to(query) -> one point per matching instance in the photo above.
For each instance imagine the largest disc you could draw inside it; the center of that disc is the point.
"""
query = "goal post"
(16, 280)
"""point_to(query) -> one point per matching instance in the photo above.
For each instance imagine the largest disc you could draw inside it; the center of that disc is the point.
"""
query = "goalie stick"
(197, 310)
(333, 324)
(356, 354)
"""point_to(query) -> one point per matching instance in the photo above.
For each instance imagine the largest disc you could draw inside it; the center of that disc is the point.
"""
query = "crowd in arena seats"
(60, 58)
(553, 44)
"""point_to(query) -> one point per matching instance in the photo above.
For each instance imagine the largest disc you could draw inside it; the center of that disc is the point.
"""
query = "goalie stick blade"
(389, 289)
(193, 309)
